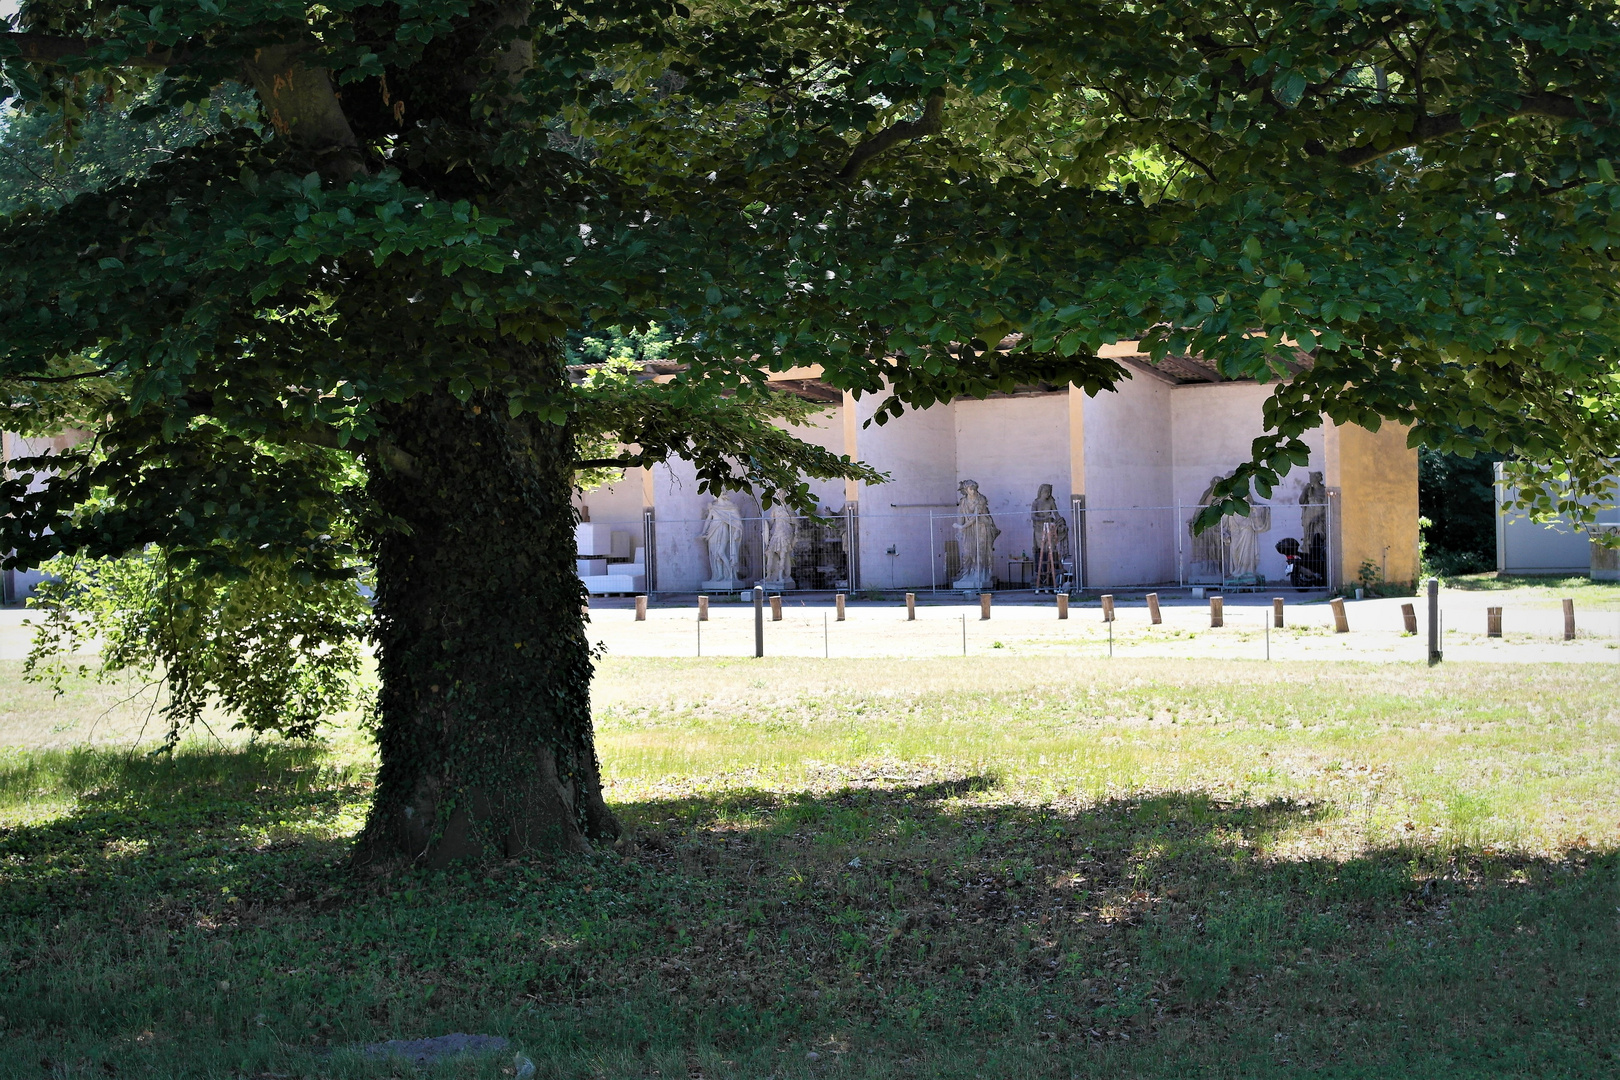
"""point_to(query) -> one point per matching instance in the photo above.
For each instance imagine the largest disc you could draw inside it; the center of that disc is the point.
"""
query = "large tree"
(382, 260)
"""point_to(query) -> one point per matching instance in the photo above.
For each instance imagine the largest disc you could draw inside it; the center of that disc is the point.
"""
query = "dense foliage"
(1456, 497)
(1415, 199)
(273, 650)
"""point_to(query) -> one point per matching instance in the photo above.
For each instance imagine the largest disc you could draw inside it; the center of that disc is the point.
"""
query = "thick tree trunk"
(485, 725)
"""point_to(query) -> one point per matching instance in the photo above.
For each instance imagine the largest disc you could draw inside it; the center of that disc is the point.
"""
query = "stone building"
(1128, 470)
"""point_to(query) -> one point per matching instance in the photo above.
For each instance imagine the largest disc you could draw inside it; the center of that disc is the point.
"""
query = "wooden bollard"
(911, 607)
(984, 606)
(1409, 618)
(641, 609)
(703, 609)
(1153, 608)
(1108, 608)
(1217, 615)
(1569, 619)
(1277, 612)
(1063, 605)
(776, 609)
(838, 602)
(1341, 621)
(1493, 622)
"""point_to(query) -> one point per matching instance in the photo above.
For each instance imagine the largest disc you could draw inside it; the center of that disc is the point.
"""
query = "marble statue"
(723, 533)
(1043, 512)
(1242, 536)
(1313, 516)
(782, 530)
(976, 535)
(1206, 545)
(1051, 537)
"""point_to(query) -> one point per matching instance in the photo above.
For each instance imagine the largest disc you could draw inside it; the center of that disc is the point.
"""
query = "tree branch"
(1427, 128)
(624, 461)
(50, 49)
(98, 373)
(901, 131)
(299, 101)
(391, 455)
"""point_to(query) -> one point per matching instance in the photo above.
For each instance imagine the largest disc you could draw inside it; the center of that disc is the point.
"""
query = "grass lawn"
(992, 867)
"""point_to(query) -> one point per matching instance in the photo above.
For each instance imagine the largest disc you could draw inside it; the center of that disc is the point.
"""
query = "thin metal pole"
(964, 635)
(1435, 642)
(826, 642)
(1110, 637)
(759, 621)
(700, 637)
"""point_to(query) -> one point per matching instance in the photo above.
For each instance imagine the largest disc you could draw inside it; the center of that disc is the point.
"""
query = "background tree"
(1414, 198)
(1456, 496)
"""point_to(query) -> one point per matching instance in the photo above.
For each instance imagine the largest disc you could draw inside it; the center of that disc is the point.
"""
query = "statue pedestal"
(723, 585)
(778, 586)
(974, 583)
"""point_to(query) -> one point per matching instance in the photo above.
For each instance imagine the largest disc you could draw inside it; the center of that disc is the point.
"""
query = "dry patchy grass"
(874, 869)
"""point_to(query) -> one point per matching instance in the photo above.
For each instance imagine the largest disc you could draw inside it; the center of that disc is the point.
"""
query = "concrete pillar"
(1373, 477)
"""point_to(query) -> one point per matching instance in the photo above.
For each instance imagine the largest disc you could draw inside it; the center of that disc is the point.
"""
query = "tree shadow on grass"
(138, 823)
(893, 925)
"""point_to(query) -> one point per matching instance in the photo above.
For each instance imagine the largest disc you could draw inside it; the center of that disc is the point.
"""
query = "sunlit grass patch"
(1006, 866)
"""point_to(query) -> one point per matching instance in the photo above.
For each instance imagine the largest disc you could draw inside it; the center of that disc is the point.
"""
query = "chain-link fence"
(941, 550)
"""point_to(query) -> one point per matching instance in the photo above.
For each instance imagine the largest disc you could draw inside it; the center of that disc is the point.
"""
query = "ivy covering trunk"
(484, 714)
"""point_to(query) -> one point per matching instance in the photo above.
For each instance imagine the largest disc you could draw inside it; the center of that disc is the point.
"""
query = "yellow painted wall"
(1375, 478)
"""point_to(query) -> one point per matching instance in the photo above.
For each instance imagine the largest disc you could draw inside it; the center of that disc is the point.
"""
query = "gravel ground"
(1027, 624)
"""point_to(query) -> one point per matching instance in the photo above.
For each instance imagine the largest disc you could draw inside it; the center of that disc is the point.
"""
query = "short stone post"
(1341, 621)
(1217, 615)
(911, 607)
(1153, 608)
(759, 621)
(984, 606)
(1493, 622)
(1063, 605)
(1409, 618)
(1569, 619)
(703, 609)
(1277, 612)
(641, 609)
(1108, 608)
(838, 601)
(776, 609)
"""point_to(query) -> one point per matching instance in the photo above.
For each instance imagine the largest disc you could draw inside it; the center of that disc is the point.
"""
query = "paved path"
(1028, 625)
(1533, 626)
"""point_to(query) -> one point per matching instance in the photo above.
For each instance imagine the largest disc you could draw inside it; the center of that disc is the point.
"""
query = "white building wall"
(1012, 446)
(918, 450)
(1524, 546)
(825, 429)
(1215, 428)
(1130, 536)
(616, 503)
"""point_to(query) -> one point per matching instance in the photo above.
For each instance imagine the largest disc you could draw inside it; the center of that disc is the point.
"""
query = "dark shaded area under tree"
(1456, 497)
(736, 936)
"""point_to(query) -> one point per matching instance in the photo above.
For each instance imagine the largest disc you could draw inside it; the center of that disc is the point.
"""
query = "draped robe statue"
(1243, 544)
(782, 532)
(976, 533)
(722, 532)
